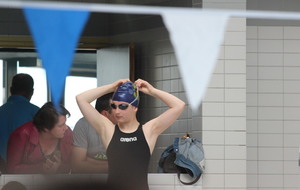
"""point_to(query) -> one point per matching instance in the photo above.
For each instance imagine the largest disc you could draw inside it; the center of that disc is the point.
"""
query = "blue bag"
(185, 155)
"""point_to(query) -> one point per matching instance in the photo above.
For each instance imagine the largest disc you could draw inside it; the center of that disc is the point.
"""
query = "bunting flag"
(196, 38)
(56, 34)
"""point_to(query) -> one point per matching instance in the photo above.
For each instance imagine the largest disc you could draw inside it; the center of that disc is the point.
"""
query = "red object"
(24, 155)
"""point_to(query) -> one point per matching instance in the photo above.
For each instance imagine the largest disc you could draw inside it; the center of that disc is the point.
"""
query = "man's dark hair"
(22, 84)
(103, 103)
(47, 116)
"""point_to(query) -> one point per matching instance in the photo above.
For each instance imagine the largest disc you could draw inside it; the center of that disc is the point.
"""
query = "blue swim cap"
(127, 92)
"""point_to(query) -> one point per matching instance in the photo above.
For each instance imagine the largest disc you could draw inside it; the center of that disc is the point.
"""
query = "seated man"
(88, 154)
(16, 111)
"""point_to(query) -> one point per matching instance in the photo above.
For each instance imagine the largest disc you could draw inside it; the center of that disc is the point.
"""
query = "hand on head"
(119, 82)
(144, 86)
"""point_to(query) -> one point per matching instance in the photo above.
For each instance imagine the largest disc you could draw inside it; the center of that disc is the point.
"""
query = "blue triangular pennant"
(56, 34)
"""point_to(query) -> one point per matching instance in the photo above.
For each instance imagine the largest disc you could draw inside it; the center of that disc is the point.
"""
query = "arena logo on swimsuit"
(131, 139)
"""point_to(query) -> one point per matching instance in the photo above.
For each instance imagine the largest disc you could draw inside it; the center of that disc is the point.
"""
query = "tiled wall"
(158, 65)
(221, 123)
(224, 114)
(273, 107)
(224, 108)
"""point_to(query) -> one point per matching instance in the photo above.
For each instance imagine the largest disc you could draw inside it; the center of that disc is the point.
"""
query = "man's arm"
(82, 164)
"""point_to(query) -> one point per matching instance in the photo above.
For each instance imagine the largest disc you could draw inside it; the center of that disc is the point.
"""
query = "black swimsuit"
(128, 159)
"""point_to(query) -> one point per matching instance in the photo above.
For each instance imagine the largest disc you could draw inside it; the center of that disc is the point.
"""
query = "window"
(38, 74)
(75, 85)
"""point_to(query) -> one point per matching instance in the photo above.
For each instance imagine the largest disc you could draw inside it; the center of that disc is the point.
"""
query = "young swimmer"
(129, 144)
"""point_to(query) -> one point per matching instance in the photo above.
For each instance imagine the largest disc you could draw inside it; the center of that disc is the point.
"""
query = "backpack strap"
(188, 183)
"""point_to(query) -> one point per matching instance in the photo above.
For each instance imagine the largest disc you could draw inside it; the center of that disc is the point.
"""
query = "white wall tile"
(291, 140)
(213, 109)
(292, 46)
(292, 100)
(159, 187)
(235, 52)
(270, 167)
(219, 68)
(1, 180)
(161, 179)
(24, 179)
(270, 153)
(270, 86)
(270, 181)
(216, 81)
(291, 167)
(214, 166)
(252, 86)
(214, 152)
(291, 127)
(235, 38)
(235, 138)
(291, 113)
(235, 166)
(235, 123)
(235, 80)
(252, 99)
(252, 46)
(235, 152)
(213, 181)
(292, 181)
(270, 73)
(235, 66)
(252, 126)
(213, 137)
(235, 109)
(291, 32)
(291, 73)
(252, 72)
(270, 140)
(270, 32)
(291, 86)
(252, 153)
(236, 24)
(214, 95)
(291, 59)
(252, 32)
(270, 46)
(221, 52)
(270, 59)
(270, 99)
(213, 123)
(270, 113)
(235, 181)
(252, 181)
(252, 59)
(270, 126)
(252, 167)
(252, 113)
(252, 139)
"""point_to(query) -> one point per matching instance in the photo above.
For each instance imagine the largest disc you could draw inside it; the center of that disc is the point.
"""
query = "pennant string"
(139, 9)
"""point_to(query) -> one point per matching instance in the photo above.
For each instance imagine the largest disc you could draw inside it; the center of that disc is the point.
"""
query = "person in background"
(16, 111)
(43, 145)
(88, 153)
(129, 143)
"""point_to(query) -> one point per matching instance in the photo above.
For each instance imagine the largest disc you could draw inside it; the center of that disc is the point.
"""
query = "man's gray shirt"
(85, 136)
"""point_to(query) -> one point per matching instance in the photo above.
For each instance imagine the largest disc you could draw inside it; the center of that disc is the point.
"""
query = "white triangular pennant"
(196, 38)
